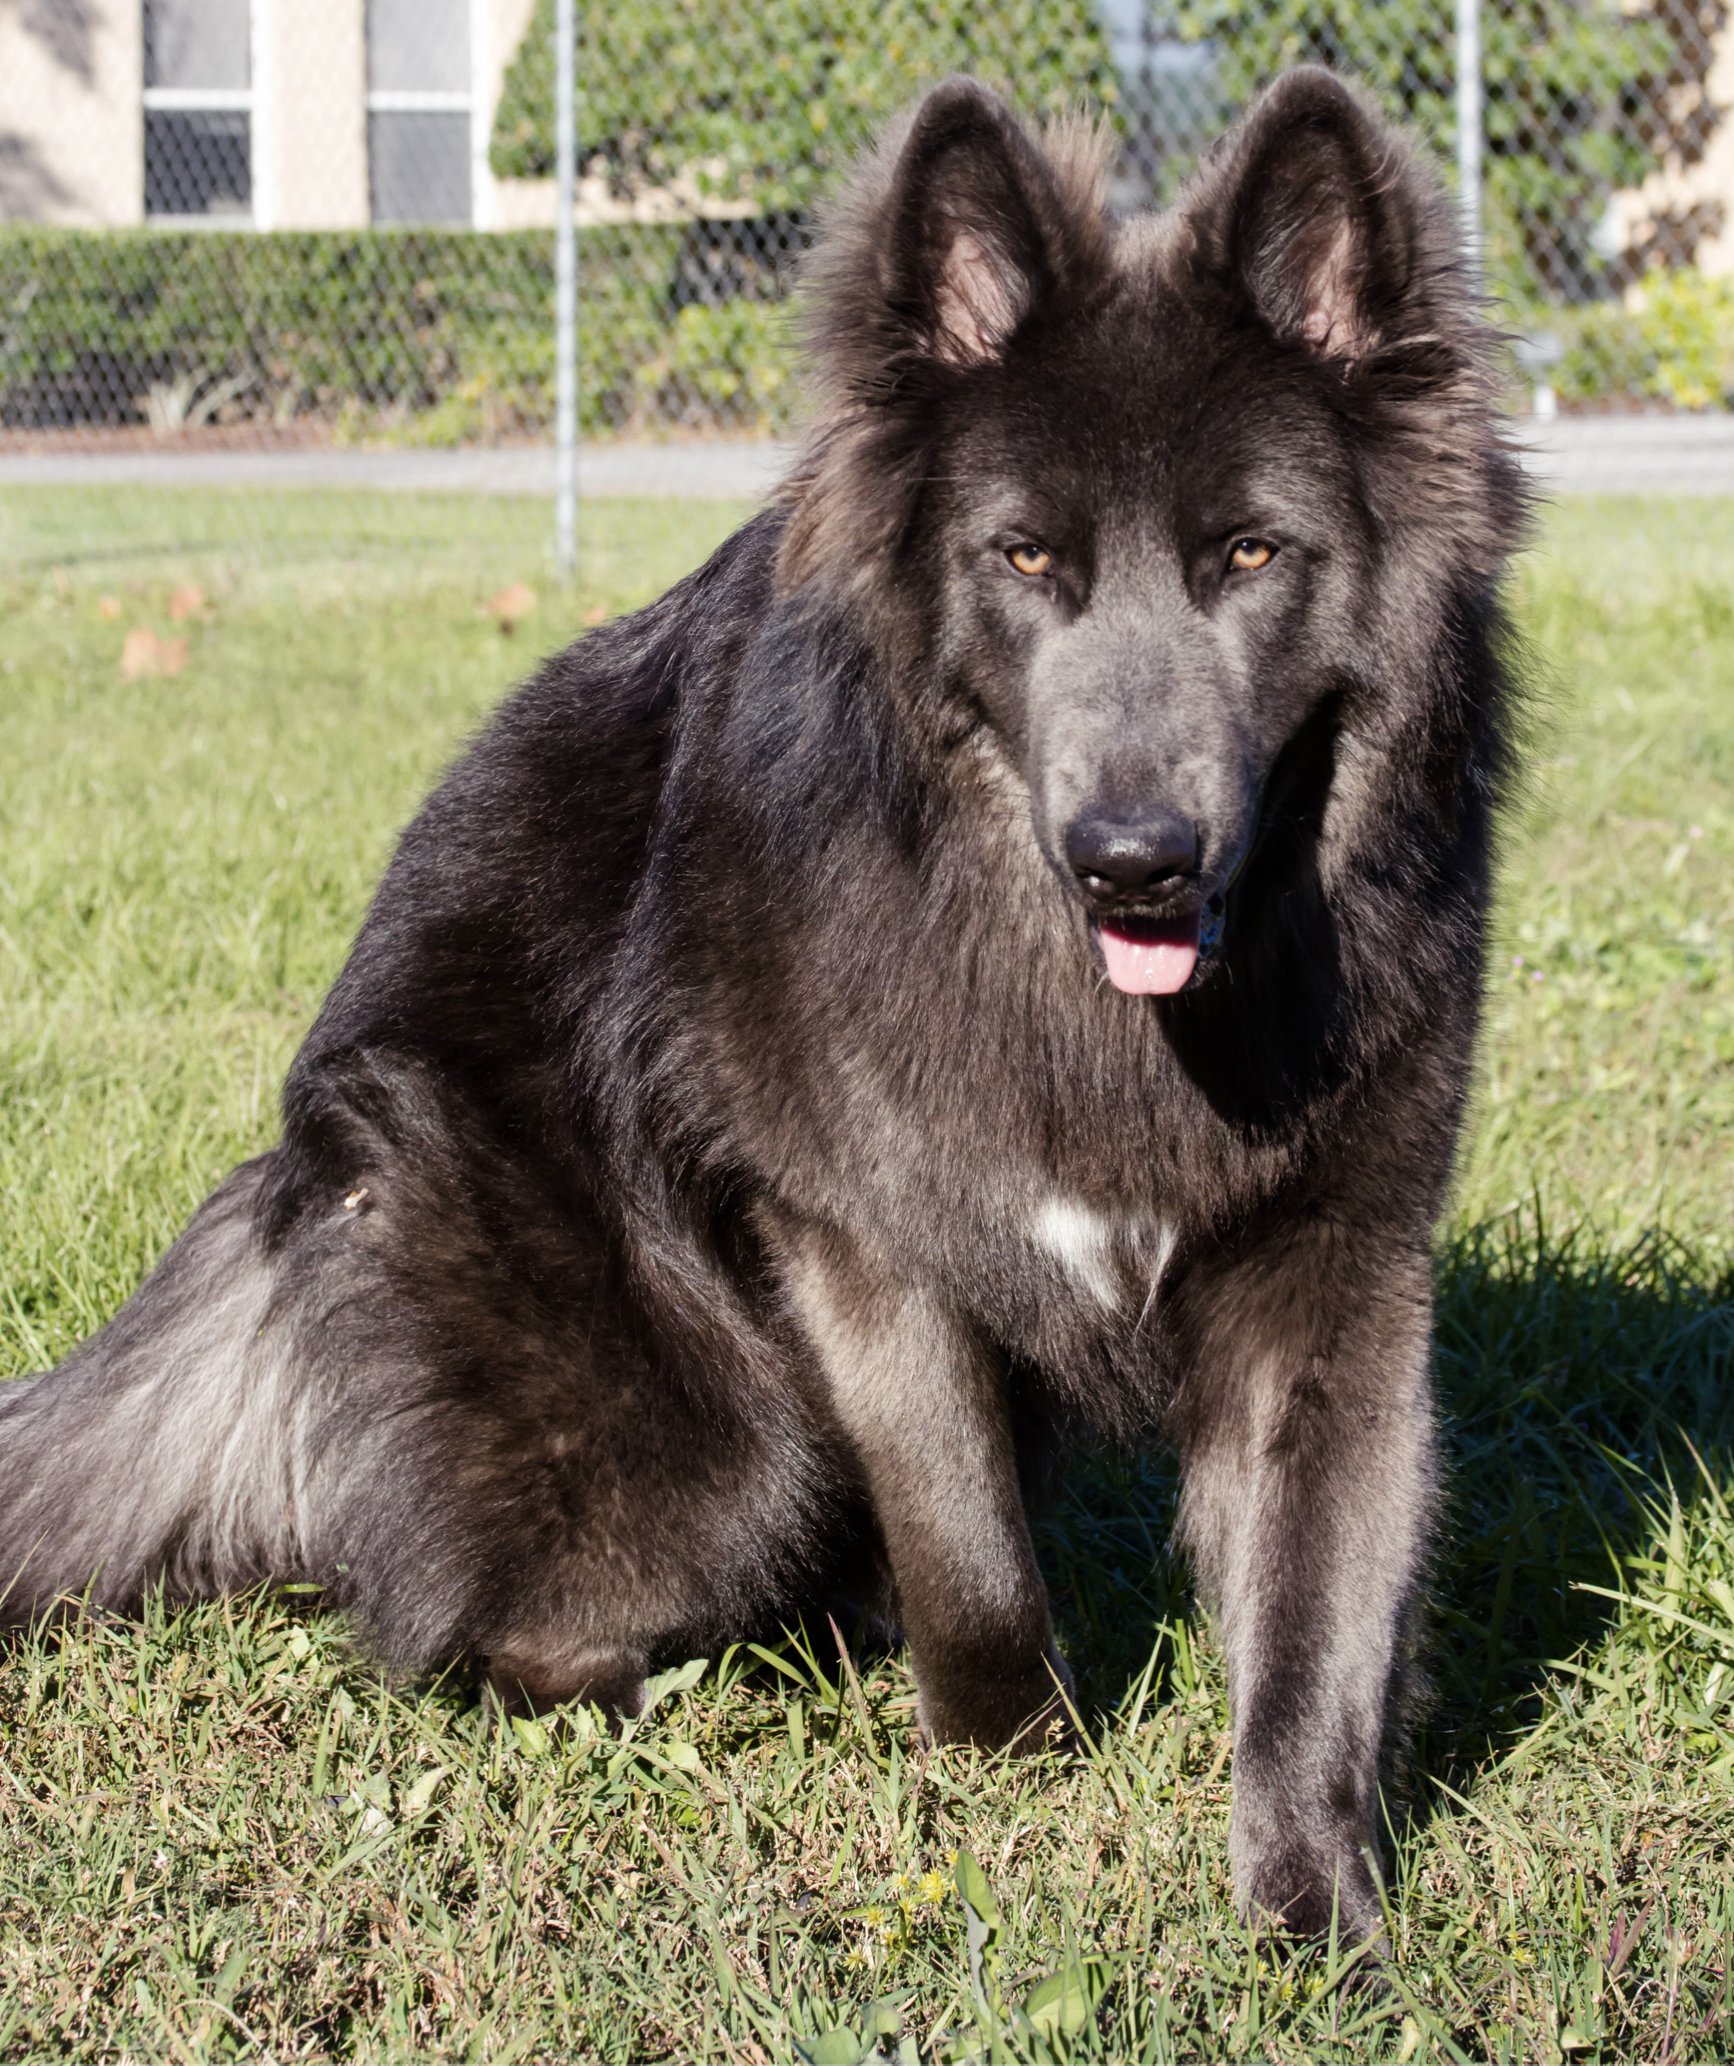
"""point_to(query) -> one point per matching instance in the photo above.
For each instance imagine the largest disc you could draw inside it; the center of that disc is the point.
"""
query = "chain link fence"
(327, 226)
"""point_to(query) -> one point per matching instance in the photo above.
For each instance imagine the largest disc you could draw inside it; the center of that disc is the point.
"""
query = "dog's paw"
(1299, 1894)
(1024, 1715)
(521, 1681)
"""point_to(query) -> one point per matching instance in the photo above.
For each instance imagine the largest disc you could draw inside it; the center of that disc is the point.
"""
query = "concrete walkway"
(716, 471)
(1611, 455)
(1683, 455)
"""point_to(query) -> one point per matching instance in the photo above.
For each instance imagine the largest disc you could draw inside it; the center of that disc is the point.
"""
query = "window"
(198, 110)
(419, 111)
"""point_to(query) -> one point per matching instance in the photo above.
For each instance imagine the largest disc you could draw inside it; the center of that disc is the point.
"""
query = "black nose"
(1120, 859)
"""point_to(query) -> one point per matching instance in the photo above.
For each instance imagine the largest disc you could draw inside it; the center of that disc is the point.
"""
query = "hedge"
(433, 335)
(97, 326)
(447, 336)
(1583, 98)
(1672, 342)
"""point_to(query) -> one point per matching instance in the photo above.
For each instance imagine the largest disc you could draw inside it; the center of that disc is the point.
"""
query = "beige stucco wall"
(504, 204)
(310, 115)
(523, 204)
(71, 117)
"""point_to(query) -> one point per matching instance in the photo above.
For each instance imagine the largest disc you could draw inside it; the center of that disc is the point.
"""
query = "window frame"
(214, 100)
(470, 102)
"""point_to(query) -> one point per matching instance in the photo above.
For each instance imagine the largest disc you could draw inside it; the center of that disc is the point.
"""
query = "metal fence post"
(565, 288)
(1469, 125)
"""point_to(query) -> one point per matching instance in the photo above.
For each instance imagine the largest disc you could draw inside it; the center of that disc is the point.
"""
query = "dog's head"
(1150, 495)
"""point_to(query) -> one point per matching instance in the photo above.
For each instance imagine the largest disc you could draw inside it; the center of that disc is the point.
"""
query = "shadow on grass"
(1573, 1380)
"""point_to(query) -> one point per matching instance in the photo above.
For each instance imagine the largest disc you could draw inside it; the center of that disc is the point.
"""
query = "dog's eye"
(1031, 559)
(1249, 554)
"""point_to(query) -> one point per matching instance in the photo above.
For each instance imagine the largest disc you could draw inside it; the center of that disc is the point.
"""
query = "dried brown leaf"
(144, 653)
(138, 655)
(513, 604)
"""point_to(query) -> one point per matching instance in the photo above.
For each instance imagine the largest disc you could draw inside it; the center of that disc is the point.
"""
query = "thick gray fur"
(723, 1173)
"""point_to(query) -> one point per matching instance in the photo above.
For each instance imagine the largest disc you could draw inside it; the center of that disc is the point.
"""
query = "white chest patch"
(1100, 1255)
(1081, 1241)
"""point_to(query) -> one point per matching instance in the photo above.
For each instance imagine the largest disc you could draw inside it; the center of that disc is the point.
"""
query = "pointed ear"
(1316, 210)
(978, 231)
(953, 238)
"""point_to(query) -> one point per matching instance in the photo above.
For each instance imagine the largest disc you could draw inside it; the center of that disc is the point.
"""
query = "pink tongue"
(1148, 968)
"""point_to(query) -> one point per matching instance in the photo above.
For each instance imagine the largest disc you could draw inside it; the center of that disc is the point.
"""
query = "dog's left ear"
(1315, 211)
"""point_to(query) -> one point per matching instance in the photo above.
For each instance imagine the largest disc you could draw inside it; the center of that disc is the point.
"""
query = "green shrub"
(1672, 341)
(1686, 322)
(766, 102)
(365, 327)
(758, 106)
(429, 335)
(732, 364)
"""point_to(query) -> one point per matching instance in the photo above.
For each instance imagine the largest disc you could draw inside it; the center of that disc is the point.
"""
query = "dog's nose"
(1117, 859)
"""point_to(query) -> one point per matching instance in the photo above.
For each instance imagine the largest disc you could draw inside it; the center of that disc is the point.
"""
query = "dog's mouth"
(1157, 955)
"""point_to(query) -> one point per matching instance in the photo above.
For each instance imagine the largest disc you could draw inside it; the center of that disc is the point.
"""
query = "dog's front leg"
(922, 1402)
(1306, 1428)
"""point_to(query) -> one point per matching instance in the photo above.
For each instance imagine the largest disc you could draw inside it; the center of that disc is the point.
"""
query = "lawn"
(221, 1834)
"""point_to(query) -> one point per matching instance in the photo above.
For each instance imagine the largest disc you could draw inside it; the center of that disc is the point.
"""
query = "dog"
(993, 954)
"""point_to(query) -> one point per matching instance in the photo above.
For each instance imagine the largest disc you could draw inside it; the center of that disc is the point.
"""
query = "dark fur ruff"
(722, 1166)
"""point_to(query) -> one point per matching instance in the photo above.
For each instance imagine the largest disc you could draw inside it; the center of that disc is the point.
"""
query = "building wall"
(72, 125)
(72, 121)
(507, 204)
(1673, 190)
(497, 32)
(71, 113)
(309, 115)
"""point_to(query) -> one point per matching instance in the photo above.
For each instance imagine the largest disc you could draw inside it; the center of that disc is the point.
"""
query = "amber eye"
(1249, 554)
(1030, 559)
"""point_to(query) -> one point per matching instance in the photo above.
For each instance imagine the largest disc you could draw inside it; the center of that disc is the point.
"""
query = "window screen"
(197, 108)
(419, 166)
(419, 110)
(418, 46)
(191, 44)
(197, 162)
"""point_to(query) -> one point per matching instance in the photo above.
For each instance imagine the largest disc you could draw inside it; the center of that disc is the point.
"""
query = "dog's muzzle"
(1139, 878)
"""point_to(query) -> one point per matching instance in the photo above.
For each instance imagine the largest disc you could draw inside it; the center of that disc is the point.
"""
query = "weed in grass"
(222, 1835)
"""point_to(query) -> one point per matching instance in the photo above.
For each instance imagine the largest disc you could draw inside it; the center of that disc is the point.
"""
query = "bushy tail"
(163, 1449)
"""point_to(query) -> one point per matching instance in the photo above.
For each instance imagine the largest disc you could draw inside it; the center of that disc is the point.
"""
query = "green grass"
(221, 1834)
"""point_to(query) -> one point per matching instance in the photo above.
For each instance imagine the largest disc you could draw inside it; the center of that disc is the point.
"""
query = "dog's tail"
(166, 1448)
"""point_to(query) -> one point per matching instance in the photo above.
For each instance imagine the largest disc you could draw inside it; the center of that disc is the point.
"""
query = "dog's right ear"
(978, 231)
(959, 234)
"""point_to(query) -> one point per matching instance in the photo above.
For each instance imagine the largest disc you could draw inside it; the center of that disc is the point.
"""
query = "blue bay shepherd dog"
(992, 954)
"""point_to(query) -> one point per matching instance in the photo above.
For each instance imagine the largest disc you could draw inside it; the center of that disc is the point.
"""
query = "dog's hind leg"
(1306, 1429)
(923, 1404)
